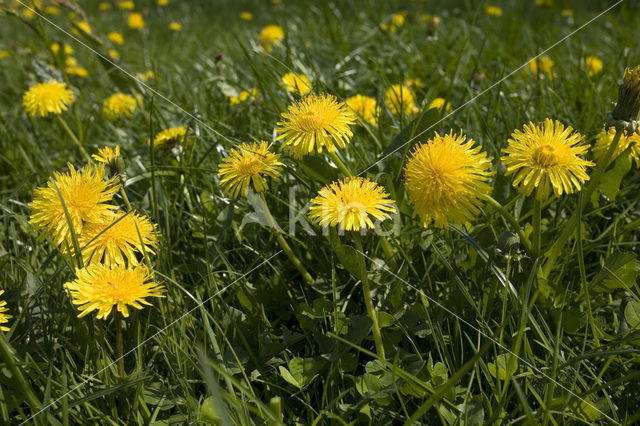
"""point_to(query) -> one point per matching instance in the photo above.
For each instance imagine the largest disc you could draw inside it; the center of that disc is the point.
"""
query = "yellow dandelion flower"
(101, 288)
(52, 10)
(438, 103)
(126, 5)
(351, 204)
(4, 53)
(365, 106)
(316, 122)
(446, 179)
(246, 16)
(4, 317)
(77, 71)
(115, 37)
(107, 155)
(543, 2)
(399, 98)
(119, 105)
(175, 26)
(493, 11)
(117, 239)
(135, 21)
(43, 99)
(543, 66)
(565, 13)
(162, 2)
(84, 26)
(414, 82)
(243, 96)
(297, 83)
(85, 194)
(146, 76)
(167, 138)
(28, 13)
(546, 156)
(248, 164)
(104, 6)
(628, 104)
(113, 54)
(593, 64)
(55, 48)
(270, 35)
(603, 142)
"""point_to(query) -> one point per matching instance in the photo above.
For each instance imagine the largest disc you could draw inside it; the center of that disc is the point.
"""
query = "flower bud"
(508, 242)
(628, 104)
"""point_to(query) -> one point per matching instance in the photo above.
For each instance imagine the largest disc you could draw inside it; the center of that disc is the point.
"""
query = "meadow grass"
(473, 333)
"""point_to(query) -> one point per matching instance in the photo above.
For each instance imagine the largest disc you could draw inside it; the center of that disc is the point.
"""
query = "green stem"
(368, 301)
(124, 196)
(512, 221)
(119, 343)
(285, 247)
(537, 233)
(74, 138)
(570, 227)
(340, 164)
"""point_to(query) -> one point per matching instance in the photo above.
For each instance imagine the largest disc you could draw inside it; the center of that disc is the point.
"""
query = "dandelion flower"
(438, 103)
(4, 53)
(628, 104)
(107, 155)
(117, 238)
(119, 105)
(43, 99)
(544, 66)
(175, 26)
(126, 5)
(593, 64)
(55, 48)
(249, 164)
(52, 10)
(78, 71)
(446, 179)
(351, 204)
(603, 142)
(246, 16)
(243, 96)
(493, 11)
(167, 138)
(4, 317)
(115, 37)
(135, 21)
(316, 122)
(400, 99)
(85, 194)
(101, 288)
(365, 106)
(546, 156)
(270, 35)
(113, 54)
(297, 83)
(84, 26)
(104, 6)
(162, 2)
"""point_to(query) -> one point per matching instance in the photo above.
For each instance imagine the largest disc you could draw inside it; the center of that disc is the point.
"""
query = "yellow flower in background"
(113, 54)
(52, 10)
(101, 288)
(297, 83)
(351, 204)
(175, 26)
(246, 16)
(566, 13)
(84, 26)
(167, 138)
(126, 5)
(543, 65)
(119, 105)
(593, 64)
(117, 239)
(4, 53)
(271, 35)
(243, 96)
(603, 142)
(115, 37)
(546, 156)
(493, 11)
(4, 317)
(414, 82)
(248, 166)
(107, 154)
(146, 76)
(543, 2)
(438, 103)
(313, 123)
(446, 178)
(365, 106)
(28, 13)
(397, 20)
(135, 21)
(43, 99)
(55, 48)
(77, 71)
(86, 195)
(399, 98)
(104, 6)
(162, 2)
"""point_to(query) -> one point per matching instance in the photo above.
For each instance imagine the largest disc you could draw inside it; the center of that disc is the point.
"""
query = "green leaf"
(632, 313)
(385, 319)
(609, 184)
(619, 271)
(208, 412)
(504, 367)
(317, 168)
(425, 121)
(301, 371)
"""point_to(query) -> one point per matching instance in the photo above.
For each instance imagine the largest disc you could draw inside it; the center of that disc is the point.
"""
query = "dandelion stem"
(340, 164)
(124, 197)
(74, 138)
(119, 343)
(537, 234)
(570, 227)
(368, 301)
(285, 246)
(512, 221)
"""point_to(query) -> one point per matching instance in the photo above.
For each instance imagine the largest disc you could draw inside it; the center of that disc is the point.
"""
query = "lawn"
(319, 212)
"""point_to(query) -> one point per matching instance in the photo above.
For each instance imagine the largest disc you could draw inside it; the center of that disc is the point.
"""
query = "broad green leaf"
(385, 319)
(632, 313)
(619, 271)
(609, 184)
(504, 367)
(318, 168)
(301, 371)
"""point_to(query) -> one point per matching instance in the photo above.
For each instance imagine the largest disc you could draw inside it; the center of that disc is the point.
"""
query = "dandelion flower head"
(399, 99)
(365, 106)
(168, 138)
(249, 164)
(4, 317)
(299, 83)
(603, 142)
(119, 105)
(51, 97)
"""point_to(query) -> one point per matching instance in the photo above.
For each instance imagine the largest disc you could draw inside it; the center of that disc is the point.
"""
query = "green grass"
(240, 338)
